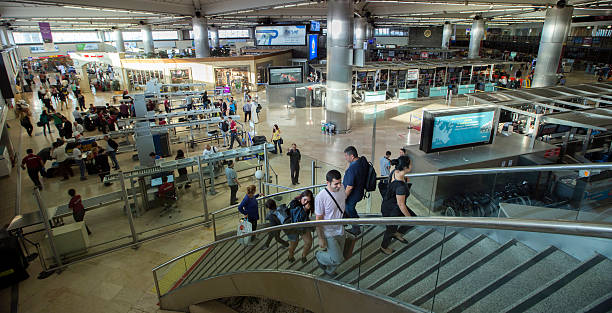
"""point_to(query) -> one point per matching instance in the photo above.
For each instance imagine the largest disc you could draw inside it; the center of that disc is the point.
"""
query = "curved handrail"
(477, 171)
(599, 230)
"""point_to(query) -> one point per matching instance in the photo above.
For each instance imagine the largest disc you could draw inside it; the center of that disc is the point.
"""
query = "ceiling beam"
(131, 5)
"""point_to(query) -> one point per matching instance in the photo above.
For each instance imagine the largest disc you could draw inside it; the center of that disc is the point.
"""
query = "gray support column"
(214, 37)
(476, 35)
(251, 33)
(359, 39)
(119, 40)
(4, 36)
(339, 62)
(101, 35)
(447, 31)
(147, 39)
(556, 26)
(200, 37)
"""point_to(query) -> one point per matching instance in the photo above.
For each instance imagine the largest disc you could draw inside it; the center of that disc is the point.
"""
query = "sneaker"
(398, 237)
(387, 251)
(304, 260)
(291, 259)
(64, 179)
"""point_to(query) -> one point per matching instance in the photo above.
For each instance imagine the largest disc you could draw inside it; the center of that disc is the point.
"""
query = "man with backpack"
(354, 183)
(112, 151)
(224, 127)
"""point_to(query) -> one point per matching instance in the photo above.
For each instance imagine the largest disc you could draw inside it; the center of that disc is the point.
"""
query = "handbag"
(40, 124)
(244, 227)
(280, 140)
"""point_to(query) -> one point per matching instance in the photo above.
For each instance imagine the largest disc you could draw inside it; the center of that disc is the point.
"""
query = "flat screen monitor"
(285, 75)
(281, 35)
(158, 181)
(451, 129)
(315, 26)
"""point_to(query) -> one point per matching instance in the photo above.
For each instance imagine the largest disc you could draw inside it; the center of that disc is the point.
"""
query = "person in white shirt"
(209, 149)
(330, 205)
(78, 117)
(77, 156)
(254, 113)
(77, 130)
(59, 153)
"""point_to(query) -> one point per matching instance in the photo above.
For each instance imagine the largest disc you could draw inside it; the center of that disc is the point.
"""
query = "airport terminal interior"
(306, 156)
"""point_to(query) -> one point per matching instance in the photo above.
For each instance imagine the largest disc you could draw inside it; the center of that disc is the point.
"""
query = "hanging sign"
(412, 74)
(45, 34)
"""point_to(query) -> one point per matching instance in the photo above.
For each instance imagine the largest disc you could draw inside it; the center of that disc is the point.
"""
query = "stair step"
(517, 283)
(220, 258)
(417, 240)
(601, 305)
(196, 273)
(248, 253)
(426, 277)
(571, 291)
(454, 286)
(409, 264)
(365, 246)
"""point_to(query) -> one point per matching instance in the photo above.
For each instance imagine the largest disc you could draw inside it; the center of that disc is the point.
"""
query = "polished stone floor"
(122, 281)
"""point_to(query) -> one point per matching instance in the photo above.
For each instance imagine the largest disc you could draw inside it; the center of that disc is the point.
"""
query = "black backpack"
(224, 126)
(370, 183)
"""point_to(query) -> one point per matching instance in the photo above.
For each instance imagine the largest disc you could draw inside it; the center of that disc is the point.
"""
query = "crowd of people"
(337, 200)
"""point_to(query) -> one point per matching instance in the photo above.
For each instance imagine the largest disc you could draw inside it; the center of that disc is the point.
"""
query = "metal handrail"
(598, 230)
(477, 171)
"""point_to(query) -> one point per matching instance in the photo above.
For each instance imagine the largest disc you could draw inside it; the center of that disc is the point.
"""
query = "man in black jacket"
(294, 163)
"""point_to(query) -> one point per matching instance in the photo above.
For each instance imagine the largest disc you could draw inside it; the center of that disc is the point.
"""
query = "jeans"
(277, 147)
(235, 137)
(352, 213)
(225, 138)
(33, 173)
(247, 116)
(81, 165)
(233, 191)
(332, 257)
(113, 156)
(277, 236)
(59, 129)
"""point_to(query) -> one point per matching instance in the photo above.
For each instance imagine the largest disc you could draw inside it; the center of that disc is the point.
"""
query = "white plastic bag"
(244, 227)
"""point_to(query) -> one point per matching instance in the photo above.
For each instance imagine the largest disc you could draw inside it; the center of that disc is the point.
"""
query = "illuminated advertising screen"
(281, 35)
(285, 75)
(457, 128)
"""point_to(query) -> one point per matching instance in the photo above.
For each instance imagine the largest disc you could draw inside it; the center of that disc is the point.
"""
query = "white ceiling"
(175, 14)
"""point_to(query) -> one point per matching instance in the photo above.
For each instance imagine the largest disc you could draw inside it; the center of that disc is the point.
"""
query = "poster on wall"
(285, 75)
(313, 46)
(285, 35)
(412, 74)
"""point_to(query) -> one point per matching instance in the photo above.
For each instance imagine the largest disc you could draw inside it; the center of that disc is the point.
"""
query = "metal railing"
(597, 230)
(482, 171)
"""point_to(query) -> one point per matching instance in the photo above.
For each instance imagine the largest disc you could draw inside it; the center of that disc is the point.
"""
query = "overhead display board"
(285, 75)
(457, 128)
(281, 35)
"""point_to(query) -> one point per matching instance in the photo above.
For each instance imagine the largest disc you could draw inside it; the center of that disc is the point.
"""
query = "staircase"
(442, 271)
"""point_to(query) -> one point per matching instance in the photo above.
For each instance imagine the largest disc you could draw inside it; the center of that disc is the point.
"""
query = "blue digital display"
(315, 26)
(462, 129)
(313, 46)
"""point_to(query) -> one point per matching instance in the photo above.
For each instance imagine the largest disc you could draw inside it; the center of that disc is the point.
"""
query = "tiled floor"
(122, 281)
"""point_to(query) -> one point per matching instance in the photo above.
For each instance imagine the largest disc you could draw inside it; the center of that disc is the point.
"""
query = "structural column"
(4, 36)
(447, 31)
(119, 40)
(556, 26)
(359, 40)
(476, 35)
(147, 39)
(339, 62)
(200, 37)
(214, 37)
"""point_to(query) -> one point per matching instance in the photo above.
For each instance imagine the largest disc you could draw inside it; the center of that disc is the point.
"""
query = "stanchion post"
(203, 185)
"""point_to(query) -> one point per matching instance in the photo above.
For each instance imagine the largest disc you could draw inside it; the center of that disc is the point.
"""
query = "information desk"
(505, 151)
(463, 89)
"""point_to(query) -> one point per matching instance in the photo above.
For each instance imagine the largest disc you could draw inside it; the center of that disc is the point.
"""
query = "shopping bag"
(244, 227)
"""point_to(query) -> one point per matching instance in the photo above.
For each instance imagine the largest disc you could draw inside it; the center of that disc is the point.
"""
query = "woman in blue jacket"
(248, 206)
